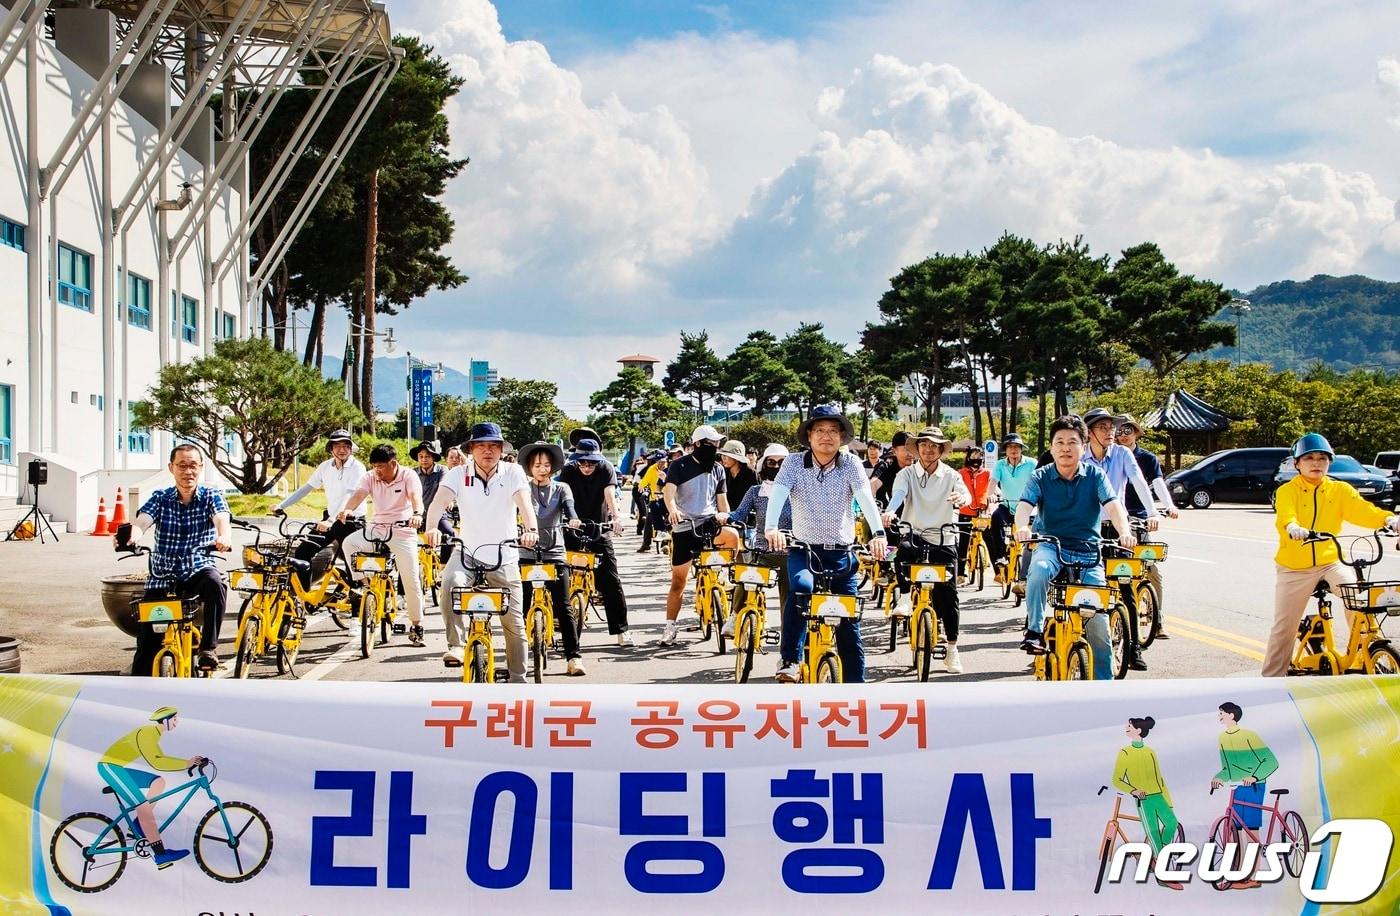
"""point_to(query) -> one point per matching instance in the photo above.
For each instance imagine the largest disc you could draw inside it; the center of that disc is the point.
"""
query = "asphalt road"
(1219, 599)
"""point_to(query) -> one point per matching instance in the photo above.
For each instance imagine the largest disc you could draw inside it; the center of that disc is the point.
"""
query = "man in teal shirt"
(1009, 478)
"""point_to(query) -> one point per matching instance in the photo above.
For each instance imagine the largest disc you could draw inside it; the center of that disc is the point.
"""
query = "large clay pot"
(119, 594)
(9, 655)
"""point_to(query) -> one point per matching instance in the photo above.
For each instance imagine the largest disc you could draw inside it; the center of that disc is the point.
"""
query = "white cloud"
(1388, 76)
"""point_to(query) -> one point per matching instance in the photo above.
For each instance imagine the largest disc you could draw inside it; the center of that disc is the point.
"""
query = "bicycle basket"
(252, 580)
(1088, 600)
(581, 559)
(372, 562)
(538, 572)
(981, 523)
(477, 602)
(715, 558)
(930, 573)
(268, 553)
(754, 575)
(1153, 552)
(164, 610)
(841, 607)
(1372, 597)
(1122, 568)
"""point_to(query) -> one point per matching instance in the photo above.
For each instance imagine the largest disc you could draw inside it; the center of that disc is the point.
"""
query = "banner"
(347, 798)
(421, 402)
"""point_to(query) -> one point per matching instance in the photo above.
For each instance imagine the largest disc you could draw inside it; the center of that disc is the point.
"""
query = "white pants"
(404, 548)
(454, 575)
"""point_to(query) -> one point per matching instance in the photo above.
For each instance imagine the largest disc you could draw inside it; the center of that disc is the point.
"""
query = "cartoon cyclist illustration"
(1137, 772)
(130, 784)
(1247, 760)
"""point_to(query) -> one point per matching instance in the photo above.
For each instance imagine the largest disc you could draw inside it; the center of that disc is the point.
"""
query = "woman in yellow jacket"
(1136, 772)
(1312, 501)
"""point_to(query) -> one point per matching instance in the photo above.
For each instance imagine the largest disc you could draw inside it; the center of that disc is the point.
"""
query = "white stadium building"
(125, 208)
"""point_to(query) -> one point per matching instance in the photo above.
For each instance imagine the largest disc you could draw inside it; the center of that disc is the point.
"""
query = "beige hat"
(734, 449)
(931, 434)
(1128, 419)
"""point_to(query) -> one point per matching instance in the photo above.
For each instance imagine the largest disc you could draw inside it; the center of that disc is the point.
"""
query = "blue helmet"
(1312, 442)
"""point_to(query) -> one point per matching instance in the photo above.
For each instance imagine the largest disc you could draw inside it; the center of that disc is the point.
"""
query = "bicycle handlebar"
(476, 564)
(1322, 537)
(1064, 561)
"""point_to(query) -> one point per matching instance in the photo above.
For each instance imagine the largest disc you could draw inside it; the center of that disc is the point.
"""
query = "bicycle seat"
(1278, 791)
(298, 564)
(1322, 588)
(108, 790)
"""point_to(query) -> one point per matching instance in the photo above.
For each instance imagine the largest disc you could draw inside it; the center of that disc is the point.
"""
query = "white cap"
(775, 450)
(706, 432)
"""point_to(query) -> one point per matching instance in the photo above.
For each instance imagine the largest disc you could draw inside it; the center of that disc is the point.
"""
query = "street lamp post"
(359, 331)
(438, 374)
(1239, 307)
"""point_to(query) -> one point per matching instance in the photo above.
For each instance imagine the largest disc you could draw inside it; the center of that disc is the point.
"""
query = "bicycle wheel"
(578, 611)
(829, 669)
(717, 609)
(247, 651)
(923, 655)
(369, 607)
(894, 633)
(1149, 616)
(289, 645)
(1118, 636)
(1078, 668)
(1105, 853)
(1009, 576)
(537, 645)
(979, 567)
(480, 666)
(745, 646)
(80, 865)
(233, 843)
(1383, 659)
(1224, 834)
(386, 619)
(1296, 833)
(164, 664)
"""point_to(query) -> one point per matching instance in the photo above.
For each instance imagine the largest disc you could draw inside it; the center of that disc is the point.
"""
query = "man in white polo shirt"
(489, 493)
(338, 475)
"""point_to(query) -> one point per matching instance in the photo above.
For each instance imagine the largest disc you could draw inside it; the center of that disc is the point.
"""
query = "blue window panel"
(74, 278)
(230, 325)
(138, 302)
(11, 234)
(7, 424)
(138, 438)
(185, 322)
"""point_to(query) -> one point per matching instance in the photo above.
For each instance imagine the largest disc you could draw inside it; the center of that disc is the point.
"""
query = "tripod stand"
(35, 517)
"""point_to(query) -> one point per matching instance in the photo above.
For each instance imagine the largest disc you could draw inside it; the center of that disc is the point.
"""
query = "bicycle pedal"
(399, 629)
(940, 651)
(502, 677)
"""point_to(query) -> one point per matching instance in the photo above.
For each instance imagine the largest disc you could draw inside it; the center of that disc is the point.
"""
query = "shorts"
(686, 543)
(128, 784)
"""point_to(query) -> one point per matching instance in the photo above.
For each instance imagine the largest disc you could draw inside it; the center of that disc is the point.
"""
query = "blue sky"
(642, 168)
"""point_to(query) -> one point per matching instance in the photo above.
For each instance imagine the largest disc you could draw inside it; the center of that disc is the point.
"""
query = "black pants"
(315, 542)
(656, 520)
(564, 623)
(208, 585)
(945, 594)
(606, 577)
(1125, 593)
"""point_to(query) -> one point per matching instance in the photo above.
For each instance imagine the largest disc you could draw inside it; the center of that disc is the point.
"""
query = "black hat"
(527, 454)
(430, 447)
(583, 432)
(826, 412)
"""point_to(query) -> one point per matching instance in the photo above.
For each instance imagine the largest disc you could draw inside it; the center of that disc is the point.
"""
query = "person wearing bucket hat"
(1311, 502)
(739, 476)
(751, 512)
(490, 495)
(929, 493)
(338, 475)
(594, 483)
(696, 494)
(825, 413)
(822, 485)
(554, 508)
(430, 475)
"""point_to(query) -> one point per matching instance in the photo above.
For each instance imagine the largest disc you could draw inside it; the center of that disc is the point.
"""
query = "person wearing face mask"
(590, 477)
(978, 481)
(695, 494)
(751, 513)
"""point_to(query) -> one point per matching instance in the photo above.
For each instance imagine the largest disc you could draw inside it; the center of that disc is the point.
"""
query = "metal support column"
(37, 281)
(21, 35)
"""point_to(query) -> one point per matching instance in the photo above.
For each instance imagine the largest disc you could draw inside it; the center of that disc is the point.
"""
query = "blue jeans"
(1250, 817)
(842, 566)
(1044, 565)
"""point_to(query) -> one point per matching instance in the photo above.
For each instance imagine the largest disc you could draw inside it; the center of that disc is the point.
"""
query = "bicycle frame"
(127, 814)
(1366, 634)
(1073, 602)
(825, 611)
(1275, 812)
(479, 603)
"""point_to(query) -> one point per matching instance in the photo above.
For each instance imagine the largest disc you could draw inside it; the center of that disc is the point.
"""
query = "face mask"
(768, 473)
(706, 453)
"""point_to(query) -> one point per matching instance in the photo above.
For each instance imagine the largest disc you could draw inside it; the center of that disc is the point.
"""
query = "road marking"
(345, 653)
(1183, 628)
(1177, 556)
(1226, 537)
(1173, 620)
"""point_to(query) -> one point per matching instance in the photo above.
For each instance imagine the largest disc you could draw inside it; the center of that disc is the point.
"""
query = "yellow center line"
(1197, 625)
(1181, 628)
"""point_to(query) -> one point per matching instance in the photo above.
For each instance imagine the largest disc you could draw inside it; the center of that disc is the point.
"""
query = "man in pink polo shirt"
(398, 497)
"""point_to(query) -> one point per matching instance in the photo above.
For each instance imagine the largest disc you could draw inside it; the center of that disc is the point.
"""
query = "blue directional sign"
(670, 438)
(421, 404)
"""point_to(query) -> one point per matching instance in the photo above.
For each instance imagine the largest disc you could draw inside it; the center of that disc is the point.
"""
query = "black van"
(1236, 475)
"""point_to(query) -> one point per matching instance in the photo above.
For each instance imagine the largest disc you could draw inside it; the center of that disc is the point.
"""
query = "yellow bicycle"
(539, 616)
(1014, 551)
(429, 567)
(379, 596)
(879, 573)
(751, 616)
(978, 558)
(583, 580)
(1068, 656)
(925, 643)
(711, 597)
(332, 590)
(480, 603)
(826, 610)
(271, 620)
(1368, 649)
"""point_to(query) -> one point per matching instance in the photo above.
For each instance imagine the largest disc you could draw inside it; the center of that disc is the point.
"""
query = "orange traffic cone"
(119, 511)
(101, 530)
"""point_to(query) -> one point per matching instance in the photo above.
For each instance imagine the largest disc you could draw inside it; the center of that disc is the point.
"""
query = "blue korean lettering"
(404, 825)
(969, 806)
(522, 830)
(808, 822)
(634, 821)
(325, 829)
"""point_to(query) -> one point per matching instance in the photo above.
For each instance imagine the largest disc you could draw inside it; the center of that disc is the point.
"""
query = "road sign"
(990, 447)
(670, 438)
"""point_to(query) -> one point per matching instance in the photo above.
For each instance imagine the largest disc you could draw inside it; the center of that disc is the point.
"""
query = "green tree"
(916, 338)
(634, 407)
(1162, 315)
(525, 409)
(264, 398)
(873, 392)
(817, 360)
(696, 372)
(756, 372)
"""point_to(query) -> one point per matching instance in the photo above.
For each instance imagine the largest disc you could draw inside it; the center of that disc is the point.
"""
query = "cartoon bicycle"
(89, 851)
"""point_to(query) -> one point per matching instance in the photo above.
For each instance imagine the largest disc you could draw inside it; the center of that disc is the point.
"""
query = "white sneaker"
(454, 656)
(788, 674)
(951, 662)
(903, 606)
(728, 628)
(625, 640)
(670, 634)
(575, 669)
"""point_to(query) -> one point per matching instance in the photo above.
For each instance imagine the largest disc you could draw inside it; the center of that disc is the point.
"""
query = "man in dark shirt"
(738, 476)
(430, 475)
(899, 457)
(593, 481)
